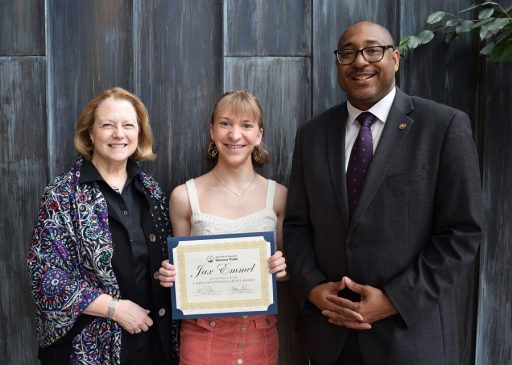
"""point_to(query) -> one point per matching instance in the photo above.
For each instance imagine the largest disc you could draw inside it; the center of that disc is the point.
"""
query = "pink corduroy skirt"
(244, 340)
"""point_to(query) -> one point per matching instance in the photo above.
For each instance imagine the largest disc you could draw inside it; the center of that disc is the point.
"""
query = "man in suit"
(373, 273)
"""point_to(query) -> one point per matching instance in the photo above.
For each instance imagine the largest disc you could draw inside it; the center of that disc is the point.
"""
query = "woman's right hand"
(132, 317)
(167, 274)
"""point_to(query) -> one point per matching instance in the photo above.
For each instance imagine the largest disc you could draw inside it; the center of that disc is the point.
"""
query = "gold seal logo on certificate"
(222, 275)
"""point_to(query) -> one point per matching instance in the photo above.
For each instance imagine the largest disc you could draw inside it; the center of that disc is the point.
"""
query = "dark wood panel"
(89, 49)
(22, 28)
(494, 328)
(267, 28)
(23, 174)
(330, 19)
(282, 85)
(447, 73)
(181, 79)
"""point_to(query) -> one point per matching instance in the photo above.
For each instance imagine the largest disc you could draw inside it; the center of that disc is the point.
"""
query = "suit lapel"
(335, 137)
(395, 131)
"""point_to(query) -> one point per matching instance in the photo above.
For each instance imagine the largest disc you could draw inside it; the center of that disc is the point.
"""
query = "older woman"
(98, 242)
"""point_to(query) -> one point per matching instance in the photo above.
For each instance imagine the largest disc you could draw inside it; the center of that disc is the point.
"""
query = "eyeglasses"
(371, 54)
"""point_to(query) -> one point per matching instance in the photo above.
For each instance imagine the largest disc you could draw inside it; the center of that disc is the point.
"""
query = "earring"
(212, 150)
(256, 154)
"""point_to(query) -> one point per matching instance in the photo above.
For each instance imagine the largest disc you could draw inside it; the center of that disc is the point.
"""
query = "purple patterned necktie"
(360, 158)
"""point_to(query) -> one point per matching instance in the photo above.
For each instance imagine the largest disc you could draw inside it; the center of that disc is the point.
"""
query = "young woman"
(230, 198)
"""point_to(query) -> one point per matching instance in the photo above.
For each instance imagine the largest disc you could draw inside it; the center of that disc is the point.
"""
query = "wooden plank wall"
(89, 49)
(448, 74)
(22, 28)
(180, 81)
(23, 167)
(494, 323)
(179, 56)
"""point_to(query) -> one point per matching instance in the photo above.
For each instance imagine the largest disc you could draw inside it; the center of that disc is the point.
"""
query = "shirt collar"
(380, 109)
(89, 172)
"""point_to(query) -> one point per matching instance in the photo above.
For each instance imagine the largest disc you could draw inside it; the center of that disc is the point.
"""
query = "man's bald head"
(365, 23)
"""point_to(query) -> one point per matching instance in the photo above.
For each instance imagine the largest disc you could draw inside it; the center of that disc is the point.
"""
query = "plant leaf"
(425, 36)
(464, 27)
(484, 33)
(481, 23)
(497, 24)
(402, 49)
(413, 42)
(487, 3)
(452, 22)
(450, 37)
(435, 17)
(506, 33)
(403, 46)
(501, 52)
(490, 3)
(404, 40)
(485, 12)
(470, 8)
(487, 49)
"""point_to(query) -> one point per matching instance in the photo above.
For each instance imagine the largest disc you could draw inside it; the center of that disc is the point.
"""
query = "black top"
(130, 257)
(130, 260)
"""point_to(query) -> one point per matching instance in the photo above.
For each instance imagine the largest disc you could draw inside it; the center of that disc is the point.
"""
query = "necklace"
(116, 189)
(118, 183)
(232, 191)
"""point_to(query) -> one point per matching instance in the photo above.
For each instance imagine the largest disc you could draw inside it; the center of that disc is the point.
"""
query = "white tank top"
(207, 224)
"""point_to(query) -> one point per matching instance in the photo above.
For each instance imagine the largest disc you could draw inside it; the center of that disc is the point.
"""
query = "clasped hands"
(373, 306)
(276, 265)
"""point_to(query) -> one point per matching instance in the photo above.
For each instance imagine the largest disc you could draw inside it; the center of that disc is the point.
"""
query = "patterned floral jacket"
(70, 263)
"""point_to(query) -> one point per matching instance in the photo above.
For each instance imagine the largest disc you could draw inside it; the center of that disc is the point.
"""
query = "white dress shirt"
(380, 110)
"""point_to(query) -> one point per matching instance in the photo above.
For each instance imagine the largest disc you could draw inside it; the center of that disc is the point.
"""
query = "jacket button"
(243, 329)
(239, 361)
(245, 316)
(161, 312)
(212, 324)
(152, 237)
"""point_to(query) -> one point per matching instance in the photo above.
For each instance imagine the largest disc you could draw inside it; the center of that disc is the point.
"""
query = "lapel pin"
(402, 125)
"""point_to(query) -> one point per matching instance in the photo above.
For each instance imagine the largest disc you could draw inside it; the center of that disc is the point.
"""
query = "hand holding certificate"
(222, 275)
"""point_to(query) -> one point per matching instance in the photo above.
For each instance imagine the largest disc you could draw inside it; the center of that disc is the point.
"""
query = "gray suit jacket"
(416, 227)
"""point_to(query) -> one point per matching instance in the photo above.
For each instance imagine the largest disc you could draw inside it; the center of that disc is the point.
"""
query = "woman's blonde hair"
(242, 102)
(82, 139)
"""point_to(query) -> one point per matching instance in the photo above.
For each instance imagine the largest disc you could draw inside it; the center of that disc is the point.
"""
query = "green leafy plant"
(494, 25)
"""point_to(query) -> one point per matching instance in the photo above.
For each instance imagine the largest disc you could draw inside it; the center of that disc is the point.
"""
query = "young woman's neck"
(239, 173)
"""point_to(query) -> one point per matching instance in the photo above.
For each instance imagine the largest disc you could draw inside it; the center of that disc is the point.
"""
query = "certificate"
(222, 275)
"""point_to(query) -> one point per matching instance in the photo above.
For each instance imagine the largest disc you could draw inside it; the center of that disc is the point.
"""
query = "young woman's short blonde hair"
(243, 102)
(83, 143)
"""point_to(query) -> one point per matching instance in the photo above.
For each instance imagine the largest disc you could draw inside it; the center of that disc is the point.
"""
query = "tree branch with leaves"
(494, 26)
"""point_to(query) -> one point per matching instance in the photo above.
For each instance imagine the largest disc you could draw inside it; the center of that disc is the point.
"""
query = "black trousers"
(350, 355)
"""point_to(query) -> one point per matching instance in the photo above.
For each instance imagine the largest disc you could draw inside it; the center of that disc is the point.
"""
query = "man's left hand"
(373, 306)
